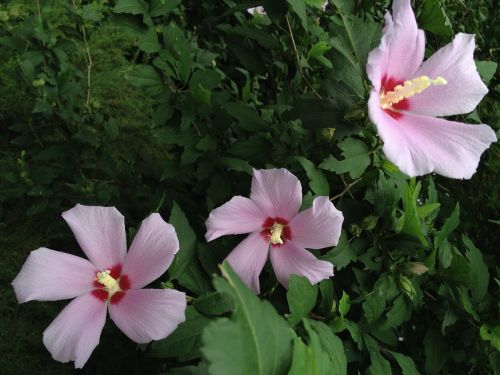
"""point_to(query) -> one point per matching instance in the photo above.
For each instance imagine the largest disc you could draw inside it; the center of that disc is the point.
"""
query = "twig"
(298, 59)
(347, 189)
(89, 65)
(38, 10)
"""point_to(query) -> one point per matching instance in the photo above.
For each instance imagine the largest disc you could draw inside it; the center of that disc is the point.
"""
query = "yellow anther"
(276, 232)
(408, 89)
(111, 285)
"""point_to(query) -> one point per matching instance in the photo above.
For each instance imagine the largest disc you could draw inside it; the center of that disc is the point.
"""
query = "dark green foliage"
(167, 105)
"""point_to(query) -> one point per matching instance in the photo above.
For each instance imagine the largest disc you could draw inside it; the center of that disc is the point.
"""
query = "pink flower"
(112, 279)
(408, 95)
(277, 229)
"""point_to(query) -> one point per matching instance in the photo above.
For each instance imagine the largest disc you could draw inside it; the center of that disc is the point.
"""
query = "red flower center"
(276, 230)
(388, 85)
(111, 285)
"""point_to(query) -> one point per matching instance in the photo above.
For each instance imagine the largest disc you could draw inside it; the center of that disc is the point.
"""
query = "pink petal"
(248, 258)
(378, 59)
(402, 47)
(75, 332)
(289, 259)
(239, 215)
(100, 231)
(318, 226)
(421, 144)
(277, 192)
(149, 314)
(153, 249)
(464, 91)
(49, 275)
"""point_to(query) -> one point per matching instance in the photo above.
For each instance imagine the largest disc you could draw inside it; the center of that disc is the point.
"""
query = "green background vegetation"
(166, 105)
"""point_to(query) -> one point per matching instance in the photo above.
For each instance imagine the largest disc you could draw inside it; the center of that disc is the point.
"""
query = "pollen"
(110, 284)
(409, 89)
(276, 233)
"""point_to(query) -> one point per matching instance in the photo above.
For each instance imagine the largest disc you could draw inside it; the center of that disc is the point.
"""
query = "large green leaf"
(301, 297)
(255, 340)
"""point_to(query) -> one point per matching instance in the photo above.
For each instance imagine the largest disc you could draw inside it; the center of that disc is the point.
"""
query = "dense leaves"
(167, 105)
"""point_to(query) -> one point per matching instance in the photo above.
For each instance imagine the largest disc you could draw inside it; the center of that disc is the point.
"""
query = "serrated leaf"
(486, 70)
(301, 297)
(147, 78)
(317, 180)
(344, 304)
(433, 18)
(342, 254)
(412, 225)
(449, 226)
(479, 274)
(254, 340)
(356, 158)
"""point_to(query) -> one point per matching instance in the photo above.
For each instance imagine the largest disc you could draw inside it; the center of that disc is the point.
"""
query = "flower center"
(408, 89)
(111, 285)
(276, 233)
(276, 230)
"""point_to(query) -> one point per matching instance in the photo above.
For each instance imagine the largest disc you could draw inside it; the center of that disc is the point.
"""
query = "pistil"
(408, 89)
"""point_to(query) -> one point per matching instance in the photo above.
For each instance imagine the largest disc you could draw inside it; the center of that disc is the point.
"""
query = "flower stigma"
(111, 285)
(276, 233)
(409, 89)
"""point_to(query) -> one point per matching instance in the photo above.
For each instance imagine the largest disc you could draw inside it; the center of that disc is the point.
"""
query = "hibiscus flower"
(409, 95)
(111, 279)
(277, 229)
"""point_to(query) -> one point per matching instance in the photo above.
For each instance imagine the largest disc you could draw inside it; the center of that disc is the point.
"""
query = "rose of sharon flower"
(277, 229)
(408, 95)
(111, 280)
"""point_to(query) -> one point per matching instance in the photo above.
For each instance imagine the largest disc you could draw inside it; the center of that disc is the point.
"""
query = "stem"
(347, 188)
(298, 59)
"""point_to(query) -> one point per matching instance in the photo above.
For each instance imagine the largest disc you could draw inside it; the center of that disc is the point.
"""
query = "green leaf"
(344, 304)
(254, 340)
(374, 304)
(301, 297)
(399, 313)
(332, 345)
(487, 70)
(436, 351)
(185, 342)
(162, 7)
(342, 254)
(315, 3)
(318, 50)
(236, 164)
(379, 365)
(213, 304)
(491, 333)
(479, 275)
(317, 180)
(406, 363)
(356, 158)
(354, 38)
(411, 224)
(303, 359)
(299, 7)
(147, 78)
(434, 19)
(201, 94)
(187, 241)
(449, 226)
(131, 6)
(247, 118)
